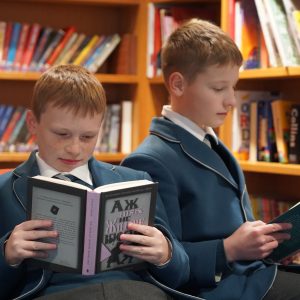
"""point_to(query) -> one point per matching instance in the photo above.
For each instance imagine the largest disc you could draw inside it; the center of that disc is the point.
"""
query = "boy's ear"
(31, 122)
(176, 84)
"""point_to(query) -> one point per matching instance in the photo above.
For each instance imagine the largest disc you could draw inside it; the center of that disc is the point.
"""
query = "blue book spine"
(6, 117)
(13, 45)
(97, 52)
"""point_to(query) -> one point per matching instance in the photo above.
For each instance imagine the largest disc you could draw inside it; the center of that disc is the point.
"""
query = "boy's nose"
(230, 100)
(73, 147)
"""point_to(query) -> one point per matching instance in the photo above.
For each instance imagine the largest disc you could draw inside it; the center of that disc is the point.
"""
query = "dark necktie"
(70, 177)
(209, 141)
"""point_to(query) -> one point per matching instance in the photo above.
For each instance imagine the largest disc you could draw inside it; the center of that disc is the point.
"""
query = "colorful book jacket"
(90, 222)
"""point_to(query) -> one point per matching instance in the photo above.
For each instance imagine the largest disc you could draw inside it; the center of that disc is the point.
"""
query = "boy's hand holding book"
(24, 241)
(149, 244)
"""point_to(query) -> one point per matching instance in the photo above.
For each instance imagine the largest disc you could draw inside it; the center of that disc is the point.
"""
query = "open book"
(90, 222)
(291, 246)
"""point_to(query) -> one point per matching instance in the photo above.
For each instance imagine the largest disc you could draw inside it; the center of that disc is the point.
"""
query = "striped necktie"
(70, 177)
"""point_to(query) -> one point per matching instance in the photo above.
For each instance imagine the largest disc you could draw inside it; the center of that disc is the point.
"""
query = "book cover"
(294, 142)
(90, 222)
(291, 246)
(250, 46)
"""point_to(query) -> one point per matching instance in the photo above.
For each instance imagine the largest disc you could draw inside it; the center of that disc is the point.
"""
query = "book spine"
(90, 233)
(29, 48)
(294, 151)
(21, 46)
(109, 46)
(13, 45)
(126, 127)
(60, 47)
(7, 37)
(5, 119)
(66, 48)
(2, 38)
(58, 35)
(86, 50)
(40, 47)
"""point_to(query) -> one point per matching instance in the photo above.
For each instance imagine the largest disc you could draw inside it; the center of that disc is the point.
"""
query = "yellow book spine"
(86, 50)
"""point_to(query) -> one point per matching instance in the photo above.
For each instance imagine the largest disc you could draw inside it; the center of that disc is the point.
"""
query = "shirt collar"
(81, 172)
(187, 124)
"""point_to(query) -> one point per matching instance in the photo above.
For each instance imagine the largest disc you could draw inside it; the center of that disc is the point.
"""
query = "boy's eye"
(218, 89)
(62, 134)
(87, 137)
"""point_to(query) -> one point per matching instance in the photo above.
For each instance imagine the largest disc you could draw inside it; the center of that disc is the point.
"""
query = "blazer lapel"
(103, 173)
(194, 149)
(22, 172)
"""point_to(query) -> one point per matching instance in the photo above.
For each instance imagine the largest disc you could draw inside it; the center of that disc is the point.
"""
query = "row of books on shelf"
(267, 209)
(33, 47)
(164, 18)
(266, 31)
(115, 134)
(265, 127)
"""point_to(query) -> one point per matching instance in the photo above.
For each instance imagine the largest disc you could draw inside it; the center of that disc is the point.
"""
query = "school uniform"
(205, 198)
(24, 283)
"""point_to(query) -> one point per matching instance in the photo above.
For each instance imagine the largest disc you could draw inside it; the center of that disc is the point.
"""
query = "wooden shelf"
(266, 73)
(20, 157)
(156, 80)
(85, 2)
(104, 78)
(272, 168)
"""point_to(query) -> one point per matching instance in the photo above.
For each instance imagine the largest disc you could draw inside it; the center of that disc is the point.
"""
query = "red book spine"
(60, 46)
(30, 46)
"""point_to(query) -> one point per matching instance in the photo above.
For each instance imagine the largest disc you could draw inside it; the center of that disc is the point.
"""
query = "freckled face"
(65, 140)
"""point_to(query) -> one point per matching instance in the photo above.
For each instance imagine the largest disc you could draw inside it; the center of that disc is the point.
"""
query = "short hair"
(68, 86)
(194, 46)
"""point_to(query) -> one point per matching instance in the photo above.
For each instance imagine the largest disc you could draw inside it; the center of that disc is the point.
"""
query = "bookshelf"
(272, 179)
(89, 17)
(148, 94)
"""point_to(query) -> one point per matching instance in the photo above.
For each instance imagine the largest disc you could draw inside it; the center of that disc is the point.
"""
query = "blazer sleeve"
(202, 254)
(9, 277)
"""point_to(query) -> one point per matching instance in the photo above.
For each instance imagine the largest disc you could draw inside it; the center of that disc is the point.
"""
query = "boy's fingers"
(39, 246)
(143, 229)
(35, 224)
(136, 238)
(40, 234)
(271, 228)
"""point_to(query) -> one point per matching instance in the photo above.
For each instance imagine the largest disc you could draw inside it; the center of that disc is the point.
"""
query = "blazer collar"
(102, 173)
(200, 152)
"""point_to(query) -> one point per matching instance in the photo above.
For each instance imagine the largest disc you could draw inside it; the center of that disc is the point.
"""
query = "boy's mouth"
(70, 161)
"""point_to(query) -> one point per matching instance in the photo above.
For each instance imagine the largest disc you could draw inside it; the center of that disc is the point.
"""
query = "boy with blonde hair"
(201, 184)
(68, 106)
